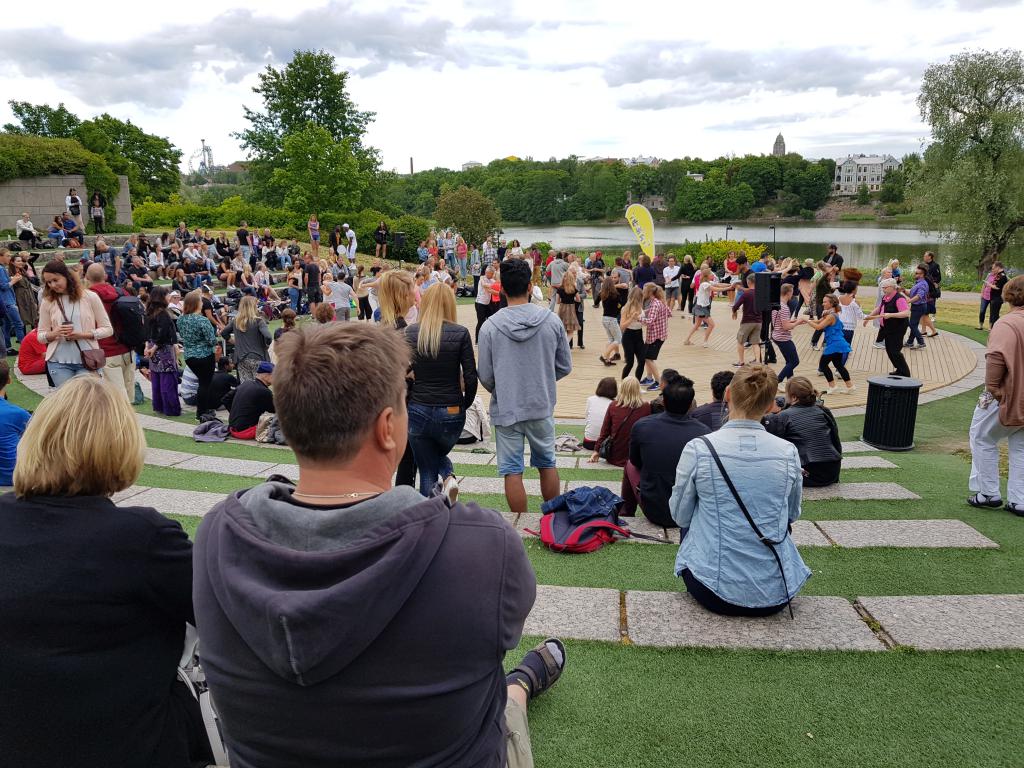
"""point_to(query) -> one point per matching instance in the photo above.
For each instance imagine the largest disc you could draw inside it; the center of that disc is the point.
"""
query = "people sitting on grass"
(251, 400)
(809, 426)
(714, 414)
(287, 663)
(597, 407)
(1000, 412)
(654, 447)
(723, 561)
(626, 410)
(523, 352)
(95, 598)
(13, 421)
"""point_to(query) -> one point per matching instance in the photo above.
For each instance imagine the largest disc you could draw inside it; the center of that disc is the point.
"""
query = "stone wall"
(43, 197)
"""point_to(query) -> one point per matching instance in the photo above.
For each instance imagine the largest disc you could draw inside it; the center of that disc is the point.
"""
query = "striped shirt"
(809, 428)
(780, 317)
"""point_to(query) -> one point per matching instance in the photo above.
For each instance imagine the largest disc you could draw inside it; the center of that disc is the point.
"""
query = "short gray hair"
(888, 283)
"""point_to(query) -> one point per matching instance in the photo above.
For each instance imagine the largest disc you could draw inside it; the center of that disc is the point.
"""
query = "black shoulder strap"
(743, 508)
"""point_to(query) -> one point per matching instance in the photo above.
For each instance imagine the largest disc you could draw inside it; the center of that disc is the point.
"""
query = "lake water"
(862, 244)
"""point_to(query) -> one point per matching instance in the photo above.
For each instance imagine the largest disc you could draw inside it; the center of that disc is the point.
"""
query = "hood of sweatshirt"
(520, 323)
(309, 589)
(105, 291)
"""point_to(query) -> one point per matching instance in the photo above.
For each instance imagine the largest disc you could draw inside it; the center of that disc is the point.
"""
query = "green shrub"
(542, 247)
(283, 223)
(24, 157)
(807, 213)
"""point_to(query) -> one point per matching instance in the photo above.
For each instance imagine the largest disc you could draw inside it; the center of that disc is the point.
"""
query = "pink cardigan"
(94, 320)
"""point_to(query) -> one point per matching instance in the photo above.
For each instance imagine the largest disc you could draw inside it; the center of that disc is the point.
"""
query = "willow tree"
(971, 185)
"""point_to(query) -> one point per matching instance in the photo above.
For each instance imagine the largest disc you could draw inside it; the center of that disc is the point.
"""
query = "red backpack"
(559, 534)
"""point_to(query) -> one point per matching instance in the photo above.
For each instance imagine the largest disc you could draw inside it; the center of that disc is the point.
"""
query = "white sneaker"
(450, 488)
(878, 345)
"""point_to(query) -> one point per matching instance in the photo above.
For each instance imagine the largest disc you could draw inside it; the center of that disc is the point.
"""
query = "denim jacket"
(720, 548)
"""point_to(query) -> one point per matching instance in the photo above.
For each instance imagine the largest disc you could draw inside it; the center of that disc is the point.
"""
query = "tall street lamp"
(774, 254)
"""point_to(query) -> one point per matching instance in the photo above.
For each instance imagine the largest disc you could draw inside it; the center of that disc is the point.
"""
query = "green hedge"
(283, 223)
(23, 157)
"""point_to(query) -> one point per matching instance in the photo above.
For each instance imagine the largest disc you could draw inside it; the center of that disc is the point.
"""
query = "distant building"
(471, 164)
(780, 146)
(642, 160)
(695, 176)
(869, 170)
(651, 202)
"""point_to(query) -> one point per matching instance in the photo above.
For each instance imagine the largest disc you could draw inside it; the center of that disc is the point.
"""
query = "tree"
(303, 177)
(42, 120)
(307, 90)
(863, 195)
(971, 184)
(893, 187)
(150, 162)
(469, 211)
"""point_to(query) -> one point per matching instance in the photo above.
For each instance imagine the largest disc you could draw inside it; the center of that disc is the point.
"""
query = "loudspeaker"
(398, 240)
(767, 291)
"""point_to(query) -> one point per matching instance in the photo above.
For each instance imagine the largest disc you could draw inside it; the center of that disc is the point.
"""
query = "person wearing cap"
(351, 235)
(252, 399)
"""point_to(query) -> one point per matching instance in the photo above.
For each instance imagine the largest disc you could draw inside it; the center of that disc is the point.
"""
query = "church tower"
(780, 146)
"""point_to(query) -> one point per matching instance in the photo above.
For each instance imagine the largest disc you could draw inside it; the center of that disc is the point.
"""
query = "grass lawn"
(621, 705)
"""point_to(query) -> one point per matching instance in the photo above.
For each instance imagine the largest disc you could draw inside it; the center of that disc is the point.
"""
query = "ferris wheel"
(201, 161)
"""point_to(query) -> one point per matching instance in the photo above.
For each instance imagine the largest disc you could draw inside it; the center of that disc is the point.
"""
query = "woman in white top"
(74, 205)
(485, 291)
(706, 291)
(597, 407)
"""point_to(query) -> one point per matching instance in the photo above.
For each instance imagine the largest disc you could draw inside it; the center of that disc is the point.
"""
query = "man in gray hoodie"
(523, 351)
(346, 622)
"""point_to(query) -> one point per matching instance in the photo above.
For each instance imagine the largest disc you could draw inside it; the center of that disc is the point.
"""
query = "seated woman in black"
(95, 598)
(812, 429)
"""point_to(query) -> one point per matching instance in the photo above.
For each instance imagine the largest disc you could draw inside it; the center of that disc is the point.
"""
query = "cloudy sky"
(459, 80)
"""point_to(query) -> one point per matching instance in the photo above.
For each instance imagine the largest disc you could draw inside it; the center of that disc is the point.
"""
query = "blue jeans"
(61, 373)
(917, 311)
(295, 295)
(12, 323)
(462, 268)
(433, 432)
(788, 350)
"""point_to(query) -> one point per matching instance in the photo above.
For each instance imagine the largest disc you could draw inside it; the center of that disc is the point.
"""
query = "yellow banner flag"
(642, 224)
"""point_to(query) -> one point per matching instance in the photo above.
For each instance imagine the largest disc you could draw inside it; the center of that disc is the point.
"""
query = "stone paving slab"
(905, 533)
(674, 619)
(859, 492)
(581, 613)
(158, 457)
(291, 471)
(867, 462)
(464, 457)
(856, 446)
(612, 485)
(226, 466)
(494, 485)
(128, 493)
(951, 622)
(640, 524)
(175, 502)
(806, 534)
(158, 424)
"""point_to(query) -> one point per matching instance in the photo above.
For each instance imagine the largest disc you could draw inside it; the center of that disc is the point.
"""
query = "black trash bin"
(891, 412)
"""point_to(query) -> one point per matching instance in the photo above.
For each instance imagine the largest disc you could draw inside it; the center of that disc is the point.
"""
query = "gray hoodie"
(368, 635)
(523, 352)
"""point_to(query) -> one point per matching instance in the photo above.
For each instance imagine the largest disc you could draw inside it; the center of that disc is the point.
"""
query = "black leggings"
(633, 347)
(836, 359)
(821, 473)
(893, 332)
(483, 311)
(203, 368)
(406, 472)
(365, 310)
(715, 604)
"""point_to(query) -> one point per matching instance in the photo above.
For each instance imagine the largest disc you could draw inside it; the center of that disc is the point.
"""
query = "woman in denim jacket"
(724, 565)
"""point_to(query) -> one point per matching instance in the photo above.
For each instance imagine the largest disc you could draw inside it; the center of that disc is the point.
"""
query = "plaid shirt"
(655, 320)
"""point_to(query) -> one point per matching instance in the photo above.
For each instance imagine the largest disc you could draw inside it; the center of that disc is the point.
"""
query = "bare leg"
(550, 485)
(518, 694)
(515, 493)
(741, 352)
(652, 370)
(711, 327)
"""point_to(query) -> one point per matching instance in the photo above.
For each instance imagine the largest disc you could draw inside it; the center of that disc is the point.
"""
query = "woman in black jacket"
(813, 430)
(162, 351)
(444, 385)
(95, 598)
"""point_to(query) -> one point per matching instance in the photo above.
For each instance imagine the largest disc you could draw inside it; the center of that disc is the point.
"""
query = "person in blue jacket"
(722, 561)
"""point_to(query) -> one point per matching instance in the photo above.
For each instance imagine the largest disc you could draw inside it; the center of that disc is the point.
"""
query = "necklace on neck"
(356, 495)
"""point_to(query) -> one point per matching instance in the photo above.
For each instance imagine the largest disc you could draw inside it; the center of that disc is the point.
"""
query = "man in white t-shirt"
(351, 235)
(672, 285)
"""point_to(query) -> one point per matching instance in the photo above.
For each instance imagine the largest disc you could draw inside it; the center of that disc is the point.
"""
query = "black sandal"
(538, 670)
(982, 501)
